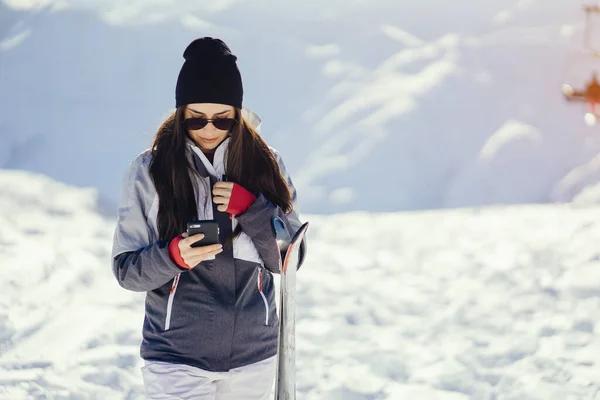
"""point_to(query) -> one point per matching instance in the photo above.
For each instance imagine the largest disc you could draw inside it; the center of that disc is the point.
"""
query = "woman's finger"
(202, 250)
(220, 200)
(210, 253)
(223, 185)
(222, 192)
(188, 241)
(195, 260)
(214, 253)
(222, 208)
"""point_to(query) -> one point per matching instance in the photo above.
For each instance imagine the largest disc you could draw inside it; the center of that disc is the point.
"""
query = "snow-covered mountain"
(481, 303)
(377, 106)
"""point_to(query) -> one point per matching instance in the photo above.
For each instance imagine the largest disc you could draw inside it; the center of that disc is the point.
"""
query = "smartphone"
(210, 229)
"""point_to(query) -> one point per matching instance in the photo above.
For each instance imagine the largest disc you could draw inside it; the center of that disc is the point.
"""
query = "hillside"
(483, 303)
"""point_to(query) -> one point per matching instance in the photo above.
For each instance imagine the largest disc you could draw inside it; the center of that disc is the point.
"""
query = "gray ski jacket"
(220, 315)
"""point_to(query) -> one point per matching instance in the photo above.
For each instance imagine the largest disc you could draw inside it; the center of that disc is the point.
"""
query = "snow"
(589, 195)
(508, 169)
(452, 108)
(475, 303)
(14, 41)
(579, 183)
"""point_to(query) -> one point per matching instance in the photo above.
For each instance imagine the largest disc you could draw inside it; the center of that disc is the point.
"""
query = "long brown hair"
(249, 162)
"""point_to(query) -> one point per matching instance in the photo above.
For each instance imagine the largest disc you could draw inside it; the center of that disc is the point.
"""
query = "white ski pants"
(179, 381)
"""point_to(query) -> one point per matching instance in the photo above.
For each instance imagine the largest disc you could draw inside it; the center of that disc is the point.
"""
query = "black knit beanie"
(209, 75)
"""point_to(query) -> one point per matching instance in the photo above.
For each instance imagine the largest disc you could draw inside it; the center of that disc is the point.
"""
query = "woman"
(210, 327)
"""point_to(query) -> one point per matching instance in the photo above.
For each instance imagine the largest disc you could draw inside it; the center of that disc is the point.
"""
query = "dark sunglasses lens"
(195, 124)
(224, 124)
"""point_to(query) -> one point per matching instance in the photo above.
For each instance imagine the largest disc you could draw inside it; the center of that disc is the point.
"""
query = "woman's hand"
(232, 198)
(222, 195)
(193, 256)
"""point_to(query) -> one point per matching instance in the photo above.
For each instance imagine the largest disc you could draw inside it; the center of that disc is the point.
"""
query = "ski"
(285, 379)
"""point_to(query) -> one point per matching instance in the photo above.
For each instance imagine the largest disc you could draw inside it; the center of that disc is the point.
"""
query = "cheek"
(196, 136)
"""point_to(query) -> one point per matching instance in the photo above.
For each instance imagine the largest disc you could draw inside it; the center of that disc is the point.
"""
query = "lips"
(210, 140)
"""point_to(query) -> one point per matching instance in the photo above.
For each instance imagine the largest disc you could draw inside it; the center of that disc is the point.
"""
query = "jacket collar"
(216, 169)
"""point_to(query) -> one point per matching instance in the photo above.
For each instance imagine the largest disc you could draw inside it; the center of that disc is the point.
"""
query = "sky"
(387, 106)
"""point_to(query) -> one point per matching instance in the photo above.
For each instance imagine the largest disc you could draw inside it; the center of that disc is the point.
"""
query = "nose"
(210, 128)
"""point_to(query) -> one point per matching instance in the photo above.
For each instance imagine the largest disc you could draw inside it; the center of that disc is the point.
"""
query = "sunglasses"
(223, 124)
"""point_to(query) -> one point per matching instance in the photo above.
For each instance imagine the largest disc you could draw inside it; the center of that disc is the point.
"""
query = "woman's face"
(209, 137)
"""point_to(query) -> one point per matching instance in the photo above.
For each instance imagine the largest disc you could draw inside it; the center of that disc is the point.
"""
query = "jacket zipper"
(260, 290)
(170, 302)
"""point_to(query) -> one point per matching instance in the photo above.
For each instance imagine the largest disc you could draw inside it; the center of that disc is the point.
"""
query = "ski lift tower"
(590, 10)
(584, 87)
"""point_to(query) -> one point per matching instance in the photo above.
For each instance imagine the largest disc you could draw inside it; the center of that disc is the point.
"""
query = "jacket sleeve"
(256, 223)
(139, 261)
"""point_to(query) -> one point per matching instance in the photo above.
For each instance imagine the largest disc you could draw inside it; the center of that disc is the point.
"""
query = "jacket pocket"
(170, 301)
(262, 294)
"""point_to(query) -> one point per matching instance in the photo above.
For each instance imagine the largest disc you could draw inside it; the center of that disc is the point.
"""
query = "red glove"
(240, 200)
(175, 254)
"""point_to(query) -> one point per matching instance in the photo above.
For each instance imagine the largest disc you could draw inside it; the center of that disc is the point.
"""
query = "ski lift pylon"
(589, 11)
(580, 74)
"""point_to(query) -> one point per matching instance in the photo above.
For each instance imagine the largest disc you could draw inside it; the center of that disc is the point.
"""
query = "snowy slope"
(444, 104)
(488, 303)
(65, 327)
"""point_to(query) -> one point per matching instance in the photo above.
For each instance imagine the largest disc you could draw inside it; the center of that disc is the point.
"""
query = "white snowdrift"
(490, 303)
(513, 166)
(581, 184)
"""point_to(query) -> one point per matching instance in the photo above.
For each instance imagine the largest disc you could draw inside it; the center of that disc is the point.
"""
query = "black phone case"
(210, 229)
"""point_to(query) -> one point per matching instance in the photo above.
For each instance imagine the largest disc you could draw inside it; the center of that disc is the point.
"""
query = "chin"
(208, 147)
